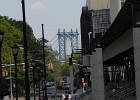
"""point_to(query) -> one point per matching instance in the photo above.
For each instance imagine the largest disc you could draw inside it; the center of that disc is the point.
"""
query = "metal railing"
(121, 93)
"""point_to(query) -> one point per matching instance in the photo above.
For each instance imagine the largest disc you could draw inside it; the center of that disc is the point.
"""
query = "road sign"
(43, 82)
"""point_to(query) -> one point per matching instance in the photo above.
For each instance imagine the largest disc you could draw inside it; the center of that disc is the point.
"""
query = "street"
(50, 91)
(50, 94)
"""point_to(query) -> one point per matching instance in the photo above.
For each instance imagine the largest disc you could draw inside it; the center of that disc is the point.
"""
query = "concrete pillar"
(136, 44)
(96, 61)
(71, 79)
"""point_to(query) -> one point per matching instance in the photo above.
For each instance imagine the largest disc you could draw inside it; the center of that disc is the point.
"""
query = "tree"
(13, 35)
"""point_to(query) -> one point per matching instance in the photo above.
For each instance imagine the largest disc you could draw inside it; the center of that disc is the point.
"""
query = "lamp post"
(89, 38)
(71, 74)
(15, 53)
(42, 72)
(55, 80)
(1, 92)
(11, 78)
(25, 52)
(33, 65)
(38, 69)
(46, 98)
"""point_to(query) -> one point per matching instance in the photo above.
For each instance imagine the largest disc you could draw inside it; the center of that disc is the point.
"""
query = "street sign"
(43, 82)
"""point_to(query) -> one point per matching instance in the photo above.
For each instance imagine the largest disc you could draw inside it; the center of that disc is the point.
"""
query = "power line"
(53, 38)
(57, 45)
(54, 42)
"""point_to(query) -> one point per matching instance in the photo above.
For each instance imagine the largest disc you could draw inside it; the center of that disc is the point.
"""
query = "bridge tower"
(62, 38)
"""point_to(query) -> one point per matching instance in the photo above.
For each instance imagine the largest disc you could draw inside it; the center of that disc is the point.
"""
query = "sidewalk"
(79, 91)
(84, 95)
(7, 98)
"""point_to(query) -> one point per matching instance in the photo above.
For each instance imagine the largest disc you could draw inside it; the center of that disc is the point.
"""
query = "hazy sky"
(54, 14)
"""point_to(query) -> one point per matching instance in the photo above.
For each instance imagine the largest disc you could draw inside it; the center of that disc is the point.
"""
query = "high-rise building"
(104, 13)
(86, 28)
(97, 4)
(96, 17)
(101, 20)
(115, 6)
(100, 4)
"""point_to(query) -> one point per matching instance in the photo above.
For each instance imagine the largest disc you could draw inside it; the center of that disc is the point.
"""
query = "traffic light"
(50, 66)
(6, 73)
(83, 80)
(3, 74)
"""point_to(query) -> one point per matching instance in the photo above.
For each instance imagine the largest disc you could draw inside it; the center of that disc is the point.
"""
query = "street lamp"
(38, 69)
(1, 92)
(15, 53)
(71, 74)
(89, 47)
(25, 52)
(33, 65)
(55, 80)
(46, 98)
(42, 72)
(89, 38)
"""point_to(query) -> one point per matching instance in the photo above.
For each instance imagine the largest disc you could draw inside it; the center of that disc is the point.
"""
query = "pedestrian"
(69, 92)
(113, 90)
(117, 85)
(66, 96)
(74, 96)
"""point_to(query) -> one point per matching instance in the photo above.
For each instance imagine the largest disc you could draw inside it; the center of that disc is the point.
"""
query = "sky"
(54, 14)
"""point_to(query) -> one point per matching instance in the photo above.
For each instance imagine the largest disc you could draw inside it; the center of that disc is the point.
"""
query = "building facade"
(101, 20)
(113, 5)
(97, 4)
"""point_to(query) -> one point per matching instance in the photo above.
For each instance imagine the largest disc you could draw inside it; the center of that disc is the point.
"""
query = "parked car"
(53, 83)
(49, 84)
(66, 86)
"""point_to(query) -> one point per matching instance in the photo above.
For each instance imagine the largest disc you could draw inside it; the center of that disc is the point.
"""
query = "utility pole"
(46, 98)
(71, 74)
(25, 52)
(11, 79)
(55, 80)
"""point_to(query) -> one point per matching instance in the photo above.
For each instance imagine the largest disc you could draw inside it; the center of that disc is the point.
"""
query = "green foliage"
(50, 77)
(65, 69)
(13, 35)
(21, 77)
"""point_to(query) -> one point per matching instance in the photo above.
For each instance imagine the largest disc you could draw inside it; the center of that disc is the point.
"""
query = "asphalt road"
(50, 91)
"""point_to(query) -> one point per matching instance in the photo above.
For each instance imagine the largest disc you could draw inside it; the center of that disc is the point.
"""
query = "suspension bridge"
(62, 39)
